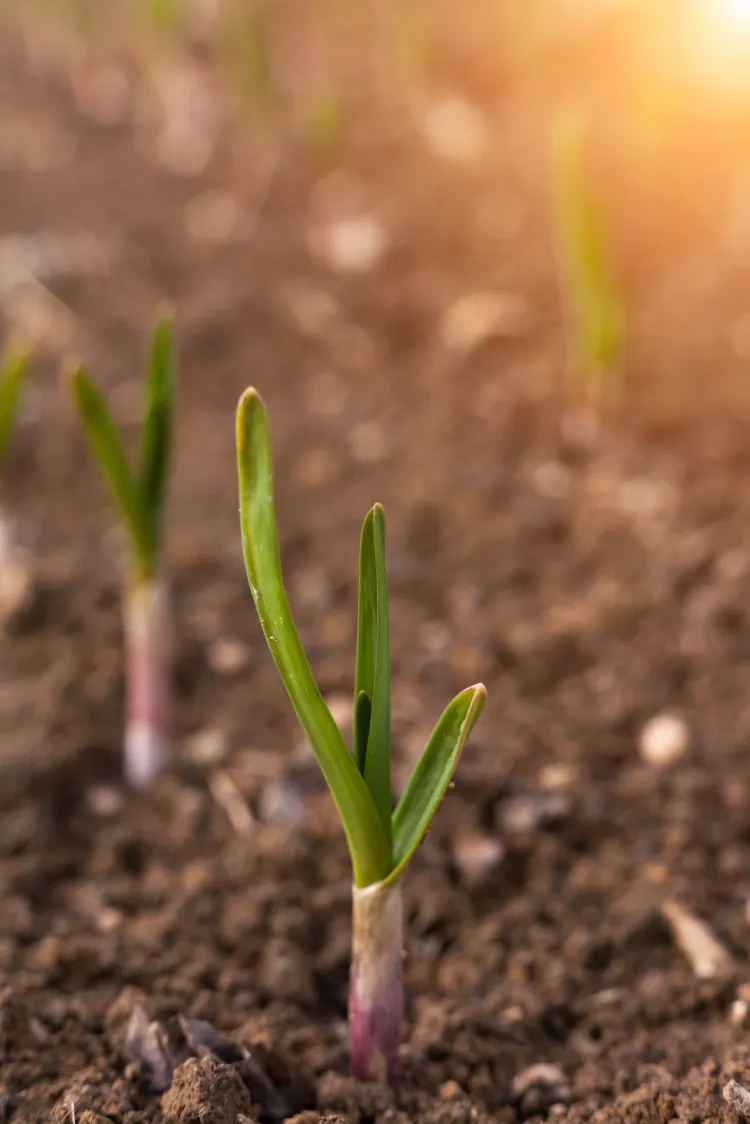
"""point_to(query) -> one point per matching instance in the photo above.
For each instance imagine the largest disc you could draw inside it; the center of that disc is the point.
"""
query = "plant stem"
(147, 672)
(376, 989)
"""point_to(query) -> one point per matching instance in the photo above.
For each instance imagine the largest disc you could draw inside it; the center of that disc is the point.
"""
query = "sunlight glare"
(737, 11)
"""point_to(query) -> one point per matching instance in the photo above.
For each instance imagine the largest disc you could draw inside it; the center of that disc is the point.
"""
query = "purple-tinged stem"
(148, 681)
(376, 987)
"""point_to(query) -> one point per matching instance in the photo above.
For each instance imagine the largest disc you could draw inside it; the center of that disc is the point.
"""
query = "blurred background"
(356, 207)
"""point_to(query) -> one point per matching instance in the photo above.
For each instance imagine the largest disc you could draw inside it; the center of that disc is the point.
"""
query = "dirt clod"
(206, 1091)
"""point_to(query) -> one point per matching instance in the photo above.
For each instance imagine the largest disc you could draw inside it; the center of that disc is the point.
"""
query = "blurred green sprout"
(594, 302)
(13, 373)
(139, 495)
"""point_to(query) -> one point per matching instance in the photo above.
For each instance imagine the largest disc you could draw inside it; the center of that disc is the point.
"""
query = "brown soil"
(590, 588)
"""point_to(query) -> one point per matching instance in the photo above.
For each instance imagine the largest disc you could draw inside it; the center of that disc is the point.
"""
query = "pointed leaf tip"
(432, 774)
(248, 401)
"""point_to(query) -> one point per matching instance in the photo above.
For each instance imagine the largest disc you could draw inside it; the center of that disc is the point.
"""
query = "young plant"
(139, 496)
(13, 374)
(381, 839)
(595, 306)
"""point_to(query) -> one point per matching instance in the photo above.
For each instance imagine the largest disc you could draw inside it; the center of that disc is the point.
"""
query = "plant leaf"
(378, 756)
(368, 843)
(12, 377)
(157, 428)
(361, 724)
(109, 453)
(432, 774)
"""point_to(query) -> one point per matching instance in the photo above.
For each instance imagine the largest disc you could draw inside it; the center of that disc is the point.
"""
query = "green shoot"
(139, 495)
(13, 374)
(597, 321)
(381, 840)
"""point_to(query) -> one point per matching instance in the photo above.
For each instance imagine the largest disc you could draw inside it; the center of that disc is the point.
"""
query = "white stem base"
(148, 671)
(376, 990)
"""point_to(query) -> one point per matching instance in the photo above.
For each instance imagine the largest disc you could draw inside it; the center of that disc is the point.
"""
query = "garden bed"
(591, 586)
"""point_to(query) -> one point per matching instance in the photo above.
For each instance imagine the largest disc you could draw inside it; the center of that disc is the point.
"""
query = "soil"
(183, 954)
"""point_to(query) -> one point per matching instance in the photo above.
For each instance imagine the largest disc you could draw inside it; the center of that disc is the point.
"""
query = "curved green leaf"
(109, 453)
(432, 774)
(12, 377)
(156, 434)
(368, 844)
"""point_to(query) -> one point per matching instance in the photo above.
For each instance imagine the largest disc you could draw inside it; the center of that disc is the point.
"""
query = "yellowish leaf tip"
(248, 398)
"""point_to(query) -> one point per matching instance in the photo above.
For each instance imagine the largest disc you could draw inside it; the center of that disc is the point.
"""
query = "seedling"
(596, 312)
(381, 839)
(13, 374)
(139, 496)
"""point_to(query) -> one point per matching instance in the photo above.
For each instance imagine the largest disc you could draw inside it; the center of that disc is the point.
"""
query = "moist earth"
(183, 954)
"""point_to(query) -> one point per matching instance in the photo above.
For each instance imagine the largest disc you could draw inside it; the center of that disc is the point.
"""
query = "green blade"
(368, 843)
(432, 774)
(109, 453)
(12, 378)
(378, 756)
(157, 427)
(362, 715)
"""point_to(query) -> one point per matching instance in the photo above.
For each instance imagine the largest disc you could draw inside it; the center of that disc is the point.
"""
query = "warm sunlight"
(737, 11)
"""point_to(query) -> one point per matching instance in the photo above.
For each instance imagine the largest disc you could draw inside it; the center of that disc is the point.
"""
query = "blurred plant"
(140, 497)
(322, 125)
(13, 374)
(596, 312)
(381, 839)
(244, 45)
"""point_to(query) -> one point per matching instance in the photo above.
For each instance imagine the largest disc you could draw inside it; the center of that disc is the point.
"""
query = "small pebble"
(536, 1088)
(207, 747)
(524, 813)
(476, 856)
(664, 740)
(556, 776)
(368, 442)
(454, 130)
(228, 655)
(738, 1012)
(478, 317)
(707, 956)
(104, 800)
(354, 244)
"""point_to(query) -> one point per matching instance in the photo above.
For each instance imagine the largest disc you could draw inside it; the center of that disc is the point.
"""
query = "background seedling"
(381, 839)
(13, 374)
(140, 497)
(594, 303)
